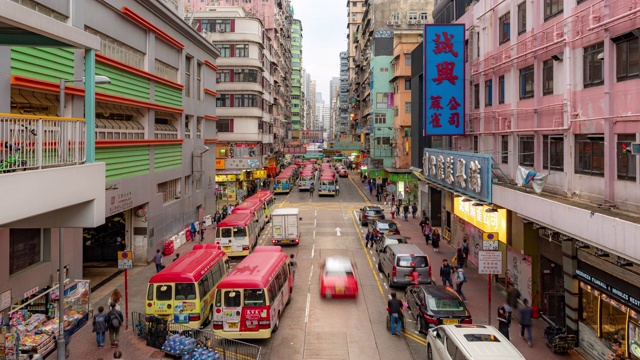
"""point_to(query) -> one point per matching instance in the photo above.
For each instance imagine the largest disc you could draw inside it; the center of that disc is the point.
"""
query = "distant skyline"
(324, 36)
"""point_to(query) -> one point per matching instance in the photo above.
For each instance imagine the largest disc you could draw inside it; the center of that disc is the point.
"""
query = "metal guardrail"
(35, 142)
(156, 330)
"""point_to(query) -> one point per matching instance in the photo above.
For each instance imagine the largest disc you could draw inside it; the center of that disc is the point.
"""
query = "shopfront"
(609, 308)
(227, 187)
(551, 273)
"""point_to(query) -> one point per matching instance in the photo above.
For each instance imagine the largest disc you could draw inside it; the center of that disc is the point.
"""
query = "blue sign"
(444, 104)
(464, 173)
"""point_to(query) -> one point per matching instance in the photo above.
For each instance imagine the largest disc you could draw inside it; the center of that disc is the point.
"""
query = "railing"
(36, 142)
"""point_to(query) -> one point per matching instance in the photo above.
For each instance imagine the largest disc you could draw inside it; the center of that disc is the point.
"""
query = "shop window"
(504, 151)
(590, 154)
(626, 163)
(592, 65)
(25, 249)
(590, 306)
(557, 152)
(525, 150)
(634, 335)
(614, 322)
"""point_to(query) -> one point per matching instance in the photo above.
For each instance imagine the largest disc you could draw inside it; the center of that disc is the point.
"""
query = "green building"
(296, 75)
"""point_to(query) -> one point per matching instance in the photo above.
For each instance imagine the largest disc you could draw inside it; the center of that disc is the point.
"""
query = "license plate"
(284, 241)
(449, 321)
(232, 325)
(407, 277)
(226, 248)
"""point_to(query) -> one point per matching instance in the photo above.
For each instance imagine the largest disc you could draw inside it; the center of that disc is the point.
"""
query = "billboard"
(444, 102)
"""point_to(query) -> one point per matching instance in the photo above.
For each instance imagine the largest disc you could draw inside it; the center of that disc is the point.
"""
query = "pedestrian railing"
(156, 330)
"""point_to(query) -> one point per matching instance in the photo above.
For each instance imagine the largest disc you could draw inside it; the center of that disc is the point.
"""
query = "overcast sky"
(324, 36)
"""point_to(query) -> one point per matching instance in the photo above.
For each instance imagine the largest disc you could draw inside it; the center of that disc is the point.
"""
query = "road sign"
(125, 260)
(490, 245)
(490, 236)
(490, 262)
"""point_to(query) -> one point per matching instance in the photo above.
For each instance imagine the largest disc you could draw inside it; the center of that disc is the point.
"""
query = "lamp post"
(98, 79)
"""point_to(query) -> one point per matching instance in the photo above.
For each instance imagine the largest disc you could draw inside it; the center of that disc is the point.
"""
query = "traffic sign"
(490, 245)
(490, 262)
(125, 260)
(490, 236)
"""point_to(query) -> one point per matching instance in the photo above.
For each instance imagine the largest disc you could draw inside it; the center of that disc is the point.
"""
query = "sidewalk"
(476, 290)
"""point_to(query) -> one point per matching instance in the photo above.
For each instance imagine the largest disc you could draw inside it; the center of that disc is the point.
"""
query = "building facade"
(553, 94)
(146, 172)
(343, 127)
(297, 102)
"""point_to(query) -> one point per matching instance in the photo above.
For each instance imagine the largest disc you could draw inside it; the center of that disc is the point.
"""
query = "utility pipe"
(540, 48)
(606, 22)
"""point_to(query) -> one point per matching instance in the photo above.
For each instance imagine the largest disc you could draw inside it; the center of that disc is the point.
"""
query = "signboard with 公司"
(444, 102)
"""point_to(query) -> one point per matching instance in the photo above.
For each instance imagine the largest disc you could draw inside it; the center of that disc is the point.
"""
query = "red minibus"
(253, 207)
(237, 234)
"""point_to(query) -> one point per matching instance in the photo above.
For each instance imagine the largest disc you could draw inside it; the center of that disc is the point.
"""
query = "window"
(476, 96)
(627, 56)
(488, 92)
(407, 107)
(476, 143)
(522, 17)
(424, 16)
(185, 291)
(592, 60)
(526, 82)
(354, 4)
(225, 50)
(380, 118)
(626, 163)
(223, 100)
(354, 16)
(164, 292)
(504, 151)
(254, 297)
(395, 16)
(557, 152)
(245, 75)
(407, 60)
(412, 16)
(199, 80)
(407, 84)
(216, 25)
(170, 190)
(119, 51)
(232, 298)
(525, 150)
(547, 77)
(505, 28)
(245, 100)
(590, 154)
(223, 75)
(501, 89)
(224, 125)
(241, 50)
(589, 306)
(166, 71)
(25, 249)
(187, 75)
(382, 100)
(552, 8)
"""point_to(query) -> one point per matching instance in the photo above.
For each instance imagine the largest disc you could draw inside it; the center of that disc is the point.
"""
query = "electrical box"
(635, 148)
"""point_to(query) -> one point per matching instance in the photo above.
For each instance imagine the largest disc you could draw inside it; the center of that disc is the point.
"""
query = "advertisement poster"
(463, 230)
(519, 272)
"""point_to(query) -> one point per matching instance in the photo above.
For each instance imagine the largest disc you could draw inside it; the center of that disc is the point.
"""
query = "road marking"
(306, 312)
(373, 258)
(418, 339)
(353, 218)
(310, 274)
(315, 222)
(313, 249)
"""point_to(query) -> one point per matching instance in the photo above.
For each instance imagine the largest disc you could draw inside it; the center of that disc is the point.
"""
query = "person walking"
(526, 314)
(394, 306)
(294, 264)
(114, 299)
(370, 189)
(100, 326)
(414, 210)
(115, 319)
(405, 210)
(337, 190)
(504, 321)
(415, 277)
(368, 239)
(465, 251)
(460, 256)
(426, 231)
(461, 278)
(400, 197)
(393, 200)
(513, 295)
(203, 227)
(445, 273)
(435, 240)
(157, 259)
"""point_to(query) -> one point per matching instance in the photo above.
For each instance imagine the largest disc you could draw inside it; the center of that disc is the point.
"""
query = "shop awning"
(397, 171)
(417, 172)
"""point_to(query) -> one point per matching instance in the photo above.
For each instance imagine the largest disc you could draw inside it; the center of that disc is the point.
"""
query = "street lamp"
(98, 79)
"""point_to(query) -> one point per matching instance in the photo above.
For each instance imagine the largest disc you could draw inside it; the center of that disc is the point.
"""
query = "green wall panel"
(124, 162)
(48, 64)
(167, 157)
(124, 83)
(168, 95)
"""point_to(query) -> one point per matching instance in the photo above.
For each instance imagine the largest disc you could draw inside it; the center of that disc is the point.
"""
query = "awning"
(228, 172)
(106, 108)
(397, 171)
(419, 175)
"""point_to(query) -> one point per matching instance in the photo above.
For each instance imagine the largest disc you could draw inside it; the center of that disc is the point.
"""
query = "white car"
(469, 341)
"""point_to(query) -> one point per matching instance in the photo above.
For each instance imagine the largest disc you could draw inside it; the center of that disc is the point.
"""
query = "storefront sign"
(242, 164)
(444, 100)
(260, 174)
(311, 134)
(225, 178)
(120, 202)
(490, 262)
(30, 292)
(5, 299)
(610, 284)
(464, 173)
(488, 222)
(220, 164)
(294, 150)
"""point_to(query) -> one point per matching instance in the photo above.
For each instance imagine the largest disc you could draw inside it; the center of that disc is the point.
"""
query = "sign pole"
(126, 299)
(489, 291)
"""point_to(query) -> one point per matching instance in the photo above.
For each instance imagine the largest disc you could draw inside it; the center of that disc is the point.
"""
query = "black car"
(370, 213)
(433, 305)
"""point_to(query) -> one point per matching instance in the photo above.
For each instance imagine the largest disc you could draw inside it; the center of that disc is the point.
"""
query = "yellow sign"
(125, 255)
(490, 236)
(225, 178)
(219, 164)
(488, 222)
(259, 174)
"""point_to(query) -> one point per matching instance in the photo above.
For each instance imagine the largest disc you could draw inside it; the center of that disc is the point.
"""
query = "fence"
(156, 330)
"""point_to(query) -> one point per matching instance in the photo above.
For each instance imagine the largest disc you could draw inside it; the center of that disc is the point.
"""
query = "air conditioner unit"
(396, 22)
(411, 22)
(390, 22)
(419, 22)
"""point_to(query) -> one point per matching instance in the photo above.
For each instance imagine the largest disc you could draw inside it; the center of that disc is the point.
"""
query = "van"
(397, 261)
(469, 341)
(389, 240)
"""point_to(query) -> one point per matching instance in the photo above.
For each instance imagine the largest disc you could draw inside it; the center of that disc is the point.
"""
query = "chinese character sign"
(444, 79)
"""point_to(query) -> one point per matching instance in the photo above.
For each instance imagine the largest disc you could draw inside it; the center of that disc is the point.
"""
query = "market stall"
(35, 321)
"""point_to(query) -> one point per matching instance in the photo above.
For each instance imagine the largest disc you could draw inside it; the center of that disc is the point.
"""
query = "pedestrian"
(217, 217)
(414, 210)
(122, 245)
(461, 278)
(415, 277)
(525, 321)
(426, 231)
(422, 223)
(203, 227)
(114, 299)
(435, 240)
(115, 320)
(513, 295)
(337, 190)
(177, 256)
(100, 326)
(117, 354)
(67, 338)
(504, 321)
(369, 239)
(33, 355)
(371, 189)
(424, 214)
(394, 306)
(445, 273)
(193, 230)
(393, 200)
(405, 210)
(157, 259)
(400, 197)
(378, 196)
(460, 256)
(294, 265)
(398, 210)
(465, 251)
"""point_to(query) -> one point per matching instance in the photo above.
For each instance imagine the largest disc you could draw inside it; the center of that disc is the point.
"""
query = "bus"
(306, 178)
(183, 292)
(251, 299)
(267, 200)
(327, 185)
(282, 183)
(253, 207)
(237, 234)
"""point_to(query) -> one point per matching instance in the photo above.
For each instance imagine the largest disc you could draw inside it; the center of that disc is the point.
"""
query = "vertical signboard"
(444, 102)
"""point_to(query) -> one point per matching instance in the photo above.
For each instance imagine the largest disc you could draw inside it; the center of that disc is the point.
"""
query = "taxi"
(338, 278)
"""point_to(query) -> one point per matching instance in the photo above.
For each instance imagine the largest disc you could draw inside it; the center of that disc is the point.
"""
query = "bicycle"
(13, 162)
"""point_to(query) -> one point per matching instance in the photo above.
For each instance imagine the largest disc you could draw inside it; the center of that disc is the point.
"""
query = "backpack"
(114, 320)
(464, 277)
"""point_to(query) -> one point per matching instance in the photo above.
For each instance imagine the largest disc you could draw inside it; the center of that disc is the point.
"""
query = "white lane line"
(316, 212)
(315, 222)
(310, 274)
(306, 313)
(313, 250)
(385, 286)
(373, 258)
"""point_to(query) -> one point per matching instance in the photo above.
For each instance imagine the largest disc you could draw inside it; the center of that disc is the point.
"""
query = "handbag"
(454, 259)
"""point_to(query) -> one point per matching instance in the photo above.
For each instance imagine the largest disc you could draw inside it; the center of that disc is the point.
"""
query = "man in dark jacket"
(114, 322)
(445, 273)
(525, 321)
(395, 314)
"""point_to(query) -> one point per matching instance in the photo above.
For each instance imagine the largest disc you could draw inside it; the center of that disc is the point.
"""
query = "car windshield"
(481, 338)
(445, 304)
(374, 212)
(412, 261)
(338, 268)
(387, 226)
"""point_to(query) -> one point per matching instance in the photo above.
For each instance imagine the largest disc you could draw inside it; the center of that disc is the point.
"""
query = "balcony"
(42, 168)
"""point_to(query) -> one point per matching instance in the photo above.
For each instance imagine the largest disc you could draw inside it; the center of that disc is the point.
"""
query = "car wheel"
(389, 282)
(379, 266)
(419, 325)
(429, 352)
(209, 318)
(277, 325)
(290, 295)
